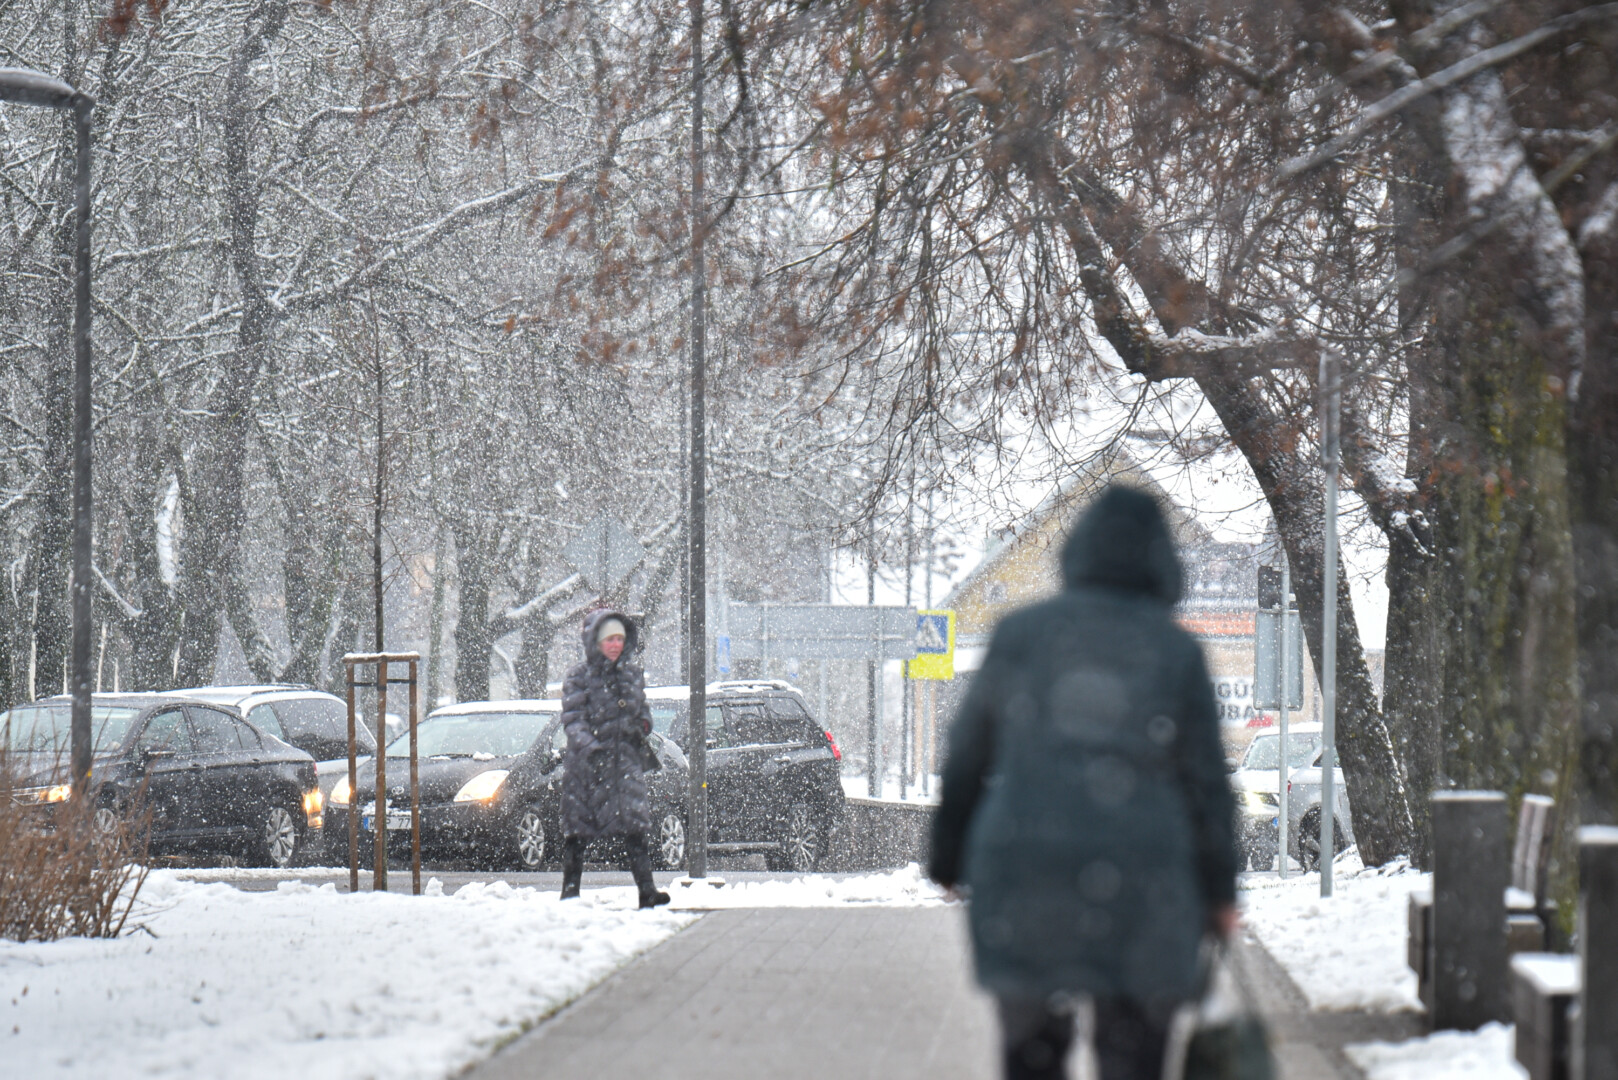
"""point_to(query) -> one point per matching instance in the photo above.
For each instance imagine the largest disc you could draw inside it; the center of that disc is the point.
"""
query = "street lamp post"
(697, 508)
(35, 88)
(1331, 390)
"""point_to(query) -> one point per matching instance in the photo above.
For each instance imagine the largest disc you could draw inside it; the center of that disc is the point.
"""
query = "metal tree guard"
(379, 816)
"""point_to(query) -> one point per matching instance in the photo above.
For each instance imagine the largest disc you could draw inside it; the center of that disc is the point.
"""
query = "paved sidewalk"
(843, 994)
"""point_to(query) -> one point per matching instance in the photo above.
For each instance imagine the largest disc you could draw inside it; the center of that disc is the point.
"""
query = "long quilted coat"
(605, 715)
(1085, 799)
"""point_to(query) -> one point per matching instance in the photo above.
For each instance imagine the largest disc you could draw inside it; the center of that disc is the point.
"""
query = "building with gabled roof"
(1022, 567)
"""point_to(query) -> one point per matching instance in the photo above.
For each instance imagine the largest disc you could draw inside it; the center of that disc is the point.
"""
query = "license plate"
(396, 822)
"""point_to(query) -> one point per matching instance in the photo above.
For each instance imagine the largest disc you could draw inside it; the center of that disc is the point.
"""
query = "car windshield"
(47, 729)
(470, 734)
(322, 718)
(1265, 753)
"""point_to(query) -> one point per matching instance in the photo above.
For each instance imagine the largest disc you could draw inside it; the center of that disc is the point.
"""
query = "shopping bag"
(1228, 1040)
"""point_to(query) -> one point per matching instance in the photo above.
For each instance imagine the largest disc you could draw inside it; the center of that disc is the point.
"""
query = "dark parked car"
(490, 775)
(773, 773)
(211, 781)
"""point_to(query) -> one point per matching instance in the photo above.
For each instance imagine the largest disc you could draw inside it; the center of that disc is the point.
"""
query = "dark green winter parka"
(1085, 800)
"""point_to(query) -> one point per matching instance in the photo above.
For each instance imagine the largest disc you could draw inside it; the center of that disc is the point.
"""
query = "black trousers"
(640, 863)
(1130, 1038)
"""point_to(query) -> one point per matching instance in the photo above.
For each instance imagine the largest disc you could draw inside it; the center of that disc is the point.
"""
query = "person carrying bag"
(1086, 807)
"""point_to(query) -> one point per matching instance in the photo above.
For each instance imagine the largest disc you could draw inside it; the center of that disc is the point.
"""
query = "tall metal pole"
(1286, 688)
(873, 688)
(379, 820)
(83, 107)
(697, 649)
(1331, 392)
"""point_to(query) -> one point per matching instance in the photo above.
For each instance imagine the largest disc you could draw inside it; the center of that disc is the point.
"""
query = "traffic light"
(1269, 587)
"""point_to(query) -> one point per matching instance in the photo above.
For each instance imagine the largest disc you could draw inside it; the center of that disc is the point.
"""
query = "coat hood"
(592, 622)
(1122, 542)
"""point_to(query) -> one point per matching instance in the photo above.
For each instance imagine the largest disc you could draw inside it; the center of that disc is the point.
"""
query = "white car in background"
(312, 720)
(1256, 781)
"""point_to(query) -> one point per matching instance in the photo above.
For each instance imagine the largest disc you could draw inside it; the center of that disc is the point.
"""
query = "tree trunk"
(534, 662)
(216, 513)
(1593, 483)
(435, 623)
(1501, 519)
(473, 643)
(1365, 749)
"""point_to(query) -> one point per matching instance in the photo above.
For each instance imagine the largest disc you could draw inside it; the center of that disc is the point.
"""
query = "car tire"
(1308, 853)
(279, 838)
(532, 838)
(668, 840)
(799, 845)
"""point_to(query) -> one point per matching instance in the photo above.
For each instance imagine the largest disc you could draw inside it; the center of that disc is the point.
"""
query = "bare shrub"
(65, 870)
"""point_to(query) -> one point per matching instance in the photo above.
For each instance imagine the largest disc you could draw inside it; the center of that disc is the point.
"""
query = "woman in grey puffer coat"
(603, 781)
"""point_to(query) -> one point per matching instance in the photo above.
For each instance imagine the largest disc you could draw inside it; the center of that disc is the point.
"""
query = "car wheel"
(668, 847)
(105, 822)
(533, 845)
(800, 841)
(278, 838)
(1309, 840)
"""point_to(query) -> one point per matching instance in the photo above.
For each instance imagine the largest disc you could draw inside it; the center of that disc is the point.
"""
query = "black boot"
(640, 867)
(572, 867)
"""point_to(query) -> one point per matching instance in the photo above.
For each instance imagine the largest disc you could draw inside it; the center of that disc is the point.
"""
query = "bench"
(1566, 1007)
(1526, 916)
(1543, 987)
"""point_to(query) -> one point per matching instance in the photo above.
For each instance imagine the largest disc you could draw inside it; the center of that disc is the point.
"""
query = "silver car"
(1257, 781)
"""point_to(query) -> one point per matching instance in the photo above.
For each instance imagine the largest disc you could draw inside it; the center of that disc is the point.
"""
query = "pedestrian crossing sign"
(935, 646)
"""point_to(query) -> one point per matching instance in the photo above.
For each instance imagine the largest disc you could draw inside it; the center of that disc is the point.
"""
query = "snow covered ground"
(897, 888)
(309, 982)
(859, 787)
(306, 981)
(1348, 952)
(1485, 1054)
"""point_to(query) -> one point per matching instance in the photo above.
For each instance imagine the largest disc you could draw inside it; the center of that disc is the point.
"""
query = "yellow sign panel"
(935, 646)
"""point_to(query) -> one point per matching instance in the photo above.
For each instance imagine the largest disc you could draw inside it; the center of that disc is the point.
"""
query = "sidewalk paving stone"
(851, 994)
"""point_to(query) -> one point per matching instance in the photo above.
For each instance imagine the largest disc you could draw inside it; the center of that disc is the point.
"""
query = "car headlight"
(342, 794)
(53, 793)
(313, 803)
(482, 787)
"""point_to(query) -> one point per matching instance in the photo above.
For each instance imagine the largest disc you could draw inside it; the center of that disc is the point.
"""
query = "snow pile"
(859, 787)
(309, 982)
(1345, 952)
(1485, 1054)
(1348, 952)
(897, 888)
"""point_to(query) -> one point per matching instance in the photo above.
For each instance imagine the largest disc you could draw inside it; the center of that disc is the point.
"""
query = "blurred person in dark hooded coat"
(604, 792)
(1085, 808)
